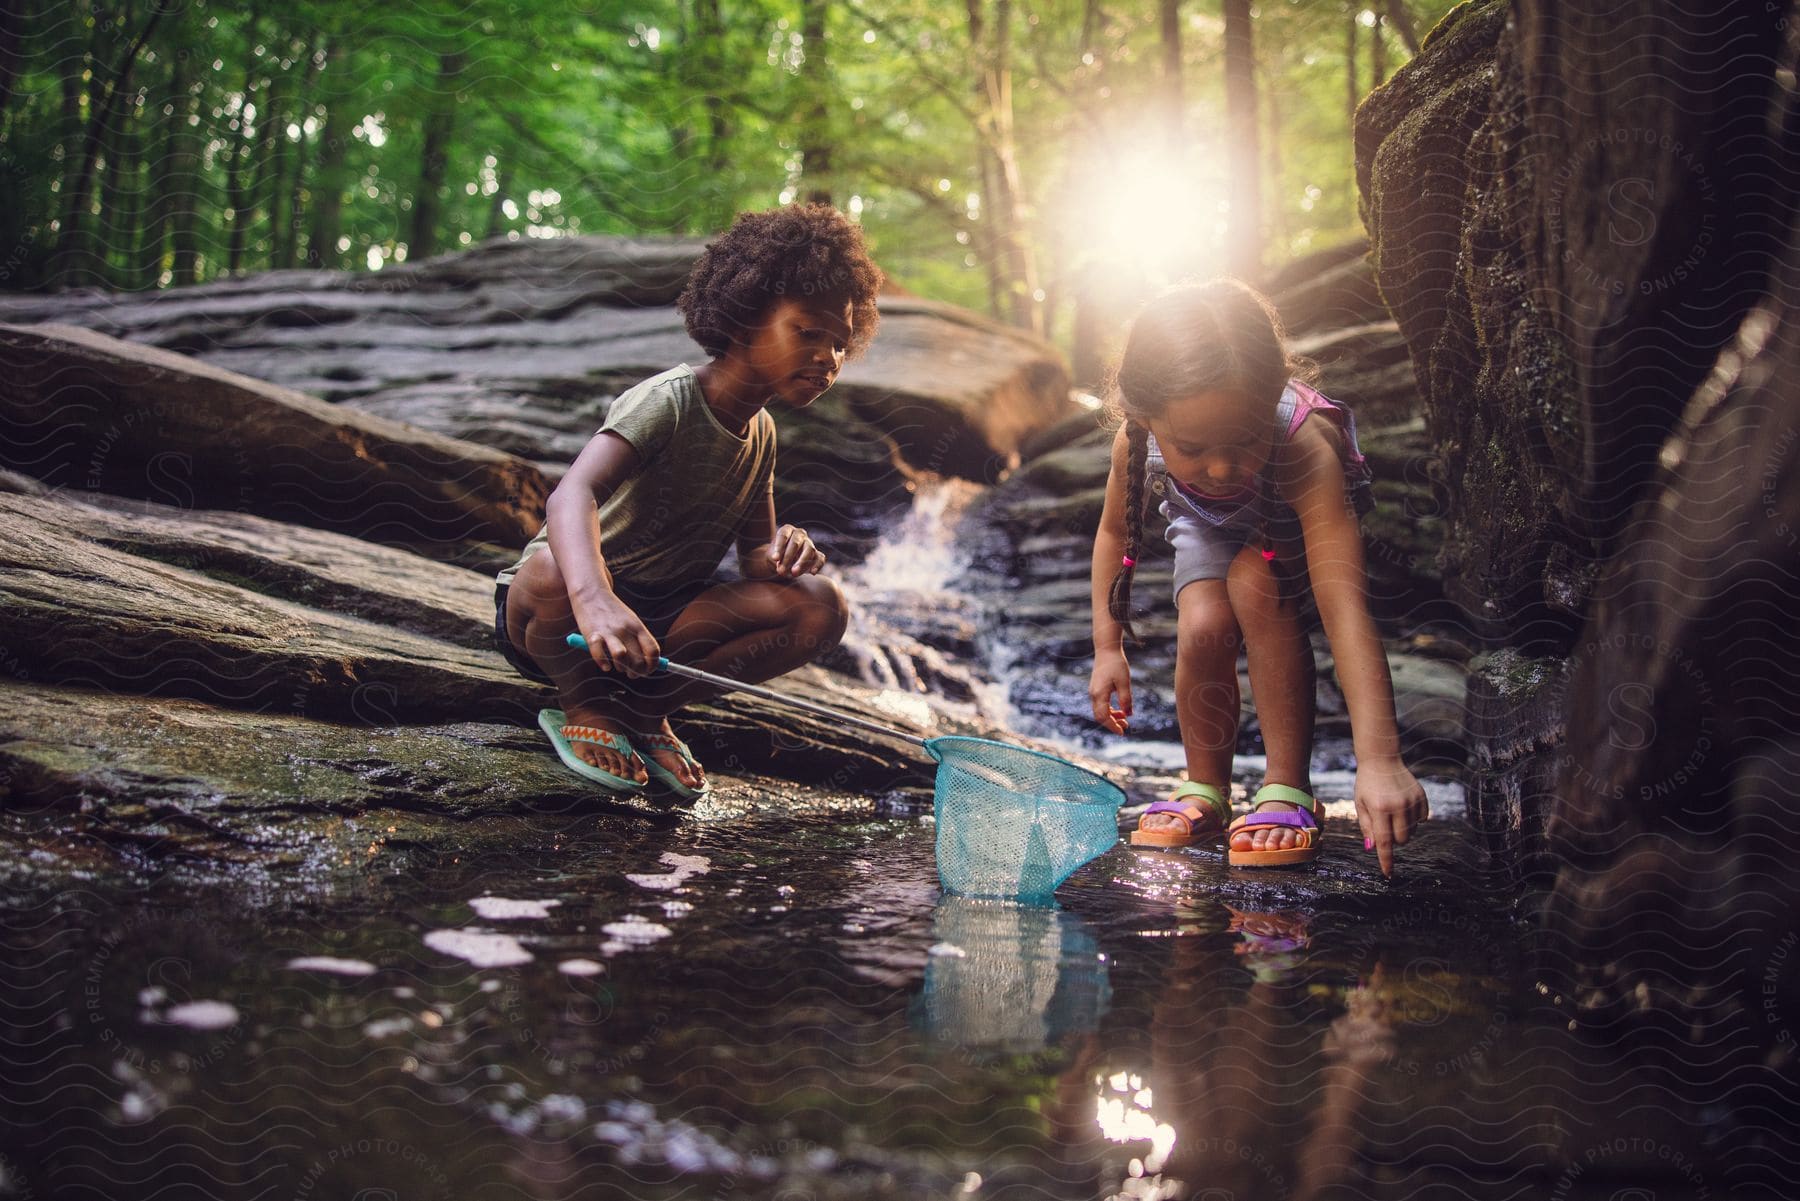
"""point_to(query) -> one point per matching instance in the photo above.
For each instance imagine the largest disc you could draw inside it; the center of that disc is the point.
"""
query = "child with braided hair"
(1252, 467)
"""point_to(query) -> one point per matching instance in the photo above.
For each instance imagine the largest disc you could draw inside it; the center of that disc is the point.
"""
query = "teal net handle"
(780, 698)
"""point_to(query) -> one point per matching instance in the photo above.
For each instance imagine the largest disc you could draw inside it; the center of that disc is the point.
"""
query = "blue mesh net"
(1016, 823)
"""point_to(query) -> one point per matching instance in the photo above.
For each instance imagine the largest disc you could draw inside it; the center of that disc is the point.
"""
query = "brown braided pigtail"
(1118, 600)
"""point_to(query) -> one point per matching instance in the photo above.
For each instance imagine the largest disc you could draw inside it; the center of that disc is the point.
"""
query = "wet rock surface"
(84, 411)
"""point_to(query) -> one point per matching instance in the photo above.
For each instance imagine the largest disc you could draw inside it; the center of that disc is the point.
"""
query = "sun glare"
(1141, 214)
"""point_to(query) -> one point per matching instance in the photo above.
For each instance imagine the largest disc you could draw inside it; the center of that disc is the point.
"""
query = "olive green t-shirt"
(672, 521)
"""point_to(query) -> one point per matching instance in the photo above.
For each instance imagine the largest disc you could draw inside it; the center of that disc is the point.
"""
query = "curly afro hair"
(805, 252)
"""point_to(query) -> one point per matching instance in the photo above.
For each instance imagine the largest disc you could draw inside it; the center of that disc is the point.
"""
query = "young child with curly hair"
(682, 468)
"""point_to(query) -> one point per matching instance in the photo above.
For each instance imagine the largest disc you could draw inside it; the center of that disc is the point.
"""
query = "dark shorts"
(657, 608)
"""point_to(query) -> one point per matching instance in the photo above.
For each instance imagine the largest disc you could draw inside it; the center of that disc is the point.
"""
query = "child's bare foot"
(1268, 838)
(604, 757)
(1171, 823)
(671, 755)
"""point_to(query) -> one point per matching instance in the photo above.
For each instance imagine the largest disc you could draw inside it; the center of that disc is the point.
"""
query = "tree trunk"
(265, 180)
(185, 181)
(496, 223)
(236, 194)
(1377, 54)
(14, 17)
(330, 180)
(1243, 238)
(1350, 74)
(1087, 359)
(1172, 103)
(276, 169)
(1008, 210)
(118, 216)
(815, 121)
(682, 75)
(287, 246)
(75, 250)
(160, 177)
(984, 236)
(1271, 138)
(72, 79)
(1401, 19)
(434, 161)
(711, 23)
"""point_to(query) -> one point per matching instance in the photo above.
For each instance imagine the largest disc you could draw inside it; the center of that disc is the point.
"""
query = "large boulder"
(87, 412)
(521, 346)
(1496, 384)
(1565, 240)
(1592, 257)
(1675, 818)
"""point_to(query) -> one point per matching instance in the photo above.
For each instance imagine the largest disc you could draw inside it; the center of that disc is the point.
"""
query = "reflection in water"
(1010, 978)
(1223, 1103)
(776, 1026)
(1269, 943)
(1124, 1116)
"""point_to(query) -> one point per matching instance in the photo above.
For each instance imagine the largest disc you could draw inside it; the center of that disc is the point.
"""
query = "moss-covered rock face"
(1441, 213)
(1566, 240)
(1583, 220)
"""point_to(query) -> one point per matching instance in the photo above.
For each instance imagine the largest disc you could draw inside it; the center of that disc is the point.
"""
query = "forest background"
(1049, 163)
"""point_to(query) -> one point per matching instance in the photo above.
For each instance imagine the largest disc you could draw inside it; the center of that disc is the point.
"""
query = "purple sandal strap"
(1180, 807)
(1287, 817)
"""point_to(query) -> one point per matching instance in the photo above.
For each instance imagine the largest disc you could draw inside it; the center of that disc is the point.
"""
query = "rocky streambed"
(298, 903)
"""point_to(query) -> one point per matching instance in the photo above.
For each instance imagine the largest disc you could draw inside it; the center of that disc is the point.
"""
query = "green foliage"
(255, 132)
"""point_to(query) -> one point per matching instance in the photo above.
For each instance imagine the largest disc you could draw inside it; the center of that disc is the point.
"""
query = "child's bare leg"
(749, 630)
(538, 620)
(1282, 675)
(1206, 689)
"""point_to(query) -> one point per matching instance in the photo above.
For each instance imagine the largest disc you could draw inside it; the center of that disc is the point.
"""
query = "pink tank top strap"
(1306, 402)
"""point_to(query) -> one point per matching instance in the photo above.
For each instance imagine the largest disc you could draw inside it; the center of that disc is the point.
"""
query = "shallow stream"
(768, 997)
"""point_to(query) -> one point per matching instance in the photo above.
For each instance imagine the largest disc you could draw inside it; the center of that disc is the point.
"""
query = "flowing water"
(768, 997)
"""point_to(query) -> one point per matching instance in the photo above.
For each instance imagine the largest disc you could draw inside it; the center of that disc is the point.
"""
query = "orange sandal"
(1304, 819)
(1189, 813)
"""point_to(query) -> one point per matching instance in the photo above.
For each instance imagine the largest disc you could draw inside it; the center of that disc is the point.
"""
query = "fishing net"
(1016, 823)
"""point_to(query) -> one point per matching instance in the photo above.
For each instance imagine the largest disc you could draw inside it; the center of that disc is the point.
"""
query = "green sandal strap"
(1210, 793)
(1292, 796)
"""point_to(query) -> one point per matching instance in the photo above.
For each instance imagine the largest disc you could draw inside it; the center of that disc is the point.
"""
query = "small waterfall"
(914, 627)
(920, 553)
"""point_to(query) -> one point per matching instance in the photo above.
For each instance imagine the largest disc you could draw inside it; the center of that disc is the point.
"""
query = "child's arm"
(1112, 673)
(572, 518)
(768, 552)
(1389, 800)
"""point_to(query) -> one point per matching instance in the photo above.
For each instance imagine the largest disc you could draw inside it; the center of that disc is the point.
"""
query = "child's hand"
(1112, 677)
(1389, 803)
(792, 554)
(617, 640)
